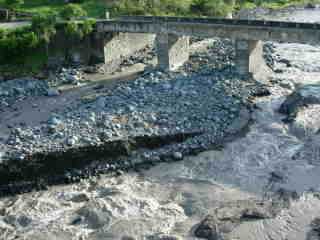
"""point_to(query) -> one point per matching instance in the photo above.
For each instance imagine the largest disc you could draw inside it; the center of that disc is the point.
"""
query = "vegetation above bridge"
(97, 8)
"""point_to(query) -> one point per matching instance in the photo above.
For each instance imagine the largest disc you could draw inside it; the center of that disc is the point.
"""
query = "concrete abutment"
(249, 56)
(111, 48)
(172, 50)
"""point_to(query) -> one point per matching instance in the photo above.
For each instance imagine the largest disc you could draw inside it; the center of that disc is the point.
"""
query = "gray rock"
(18, 221)
(71, 141)
(54, 120)
(230, 215)
(101, 103)
(71, 78)
(81, 197)
(2, 157)
(287, 84)
(163, 237)
(315, 225)
(93, 217)
(177, 155)
(208, 229)
(128, 238)
(55, 125)
(303, 96)
(53, 92)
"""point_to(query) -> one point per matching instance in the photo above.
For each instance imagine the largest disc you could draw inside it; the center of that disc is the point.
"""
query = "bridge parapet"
(224, 21)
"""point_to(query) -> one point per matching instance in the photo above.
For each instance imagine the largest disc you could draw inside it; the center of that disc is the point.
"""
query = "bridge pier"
(111, 47)
(249, 56)
(172, 50)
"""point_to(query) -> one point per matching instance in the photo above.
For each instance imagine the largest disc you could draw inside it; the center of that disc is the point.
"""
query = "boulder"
(208, 229)
(93, 217)
(230, 215)
(315, 225)
(303, 96)
(53, 92)
(80, 197)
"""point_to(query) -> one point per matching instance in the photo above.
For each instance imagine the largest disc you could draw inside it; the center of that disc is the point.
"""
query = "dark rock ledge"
(39, 170)
(42, 169)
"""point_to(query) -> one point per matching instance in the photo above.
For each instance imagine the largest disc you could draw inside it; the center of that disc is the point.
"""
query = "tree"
(44, 27)
(73, 11)
(88, 26)
(216, 8)
(12, 4)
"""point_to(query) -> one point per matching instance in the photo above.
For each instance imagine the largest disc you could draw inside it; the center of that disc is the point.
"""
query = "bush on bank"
(16, 44)
(97, 8)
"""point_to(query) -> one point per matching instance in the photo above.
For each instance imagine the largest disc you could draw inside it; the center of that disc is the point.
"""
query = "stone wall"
(63, 49)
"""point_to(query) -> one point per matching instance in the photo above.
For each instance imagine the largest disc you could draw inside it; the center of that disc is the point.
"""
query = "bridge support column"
(111, 48)
(172, 51)
(249, 56)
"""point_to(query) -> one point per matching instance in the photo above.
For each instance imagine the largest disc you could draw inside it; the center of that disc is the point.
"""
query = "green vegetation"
(97, 8)
(72, 11)
(26, 49)
(78, 30)
(94, 8)
(12, 4)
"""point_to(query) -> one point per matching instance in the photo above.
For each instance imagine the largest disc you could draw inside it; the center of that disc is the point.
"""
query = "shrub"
(44, 26)
(87, 26)
(15, 44)
(72, 11)
(12, 4)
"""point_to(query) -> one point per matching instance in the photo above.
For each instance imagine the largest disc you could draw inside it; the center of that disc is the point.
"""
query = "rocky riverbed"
(264, 184)
(206, 102)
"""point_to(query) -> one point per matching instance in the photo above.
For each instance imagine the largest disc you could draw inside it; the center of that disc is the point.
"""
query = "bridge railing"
(260, 23)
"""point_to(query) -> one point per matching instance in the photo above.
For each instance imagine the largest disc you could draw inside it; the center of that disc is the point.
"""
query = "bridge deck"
(223, 21)
(297, 32)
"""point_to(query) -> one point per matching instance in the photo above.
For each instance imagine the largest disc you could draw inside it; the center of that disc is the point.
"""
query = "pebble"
(71, 141)
(177, 155)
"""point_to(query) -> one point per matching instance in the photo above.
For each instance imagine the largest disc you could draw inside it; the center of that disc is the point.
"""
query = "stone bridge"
(172, 37)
